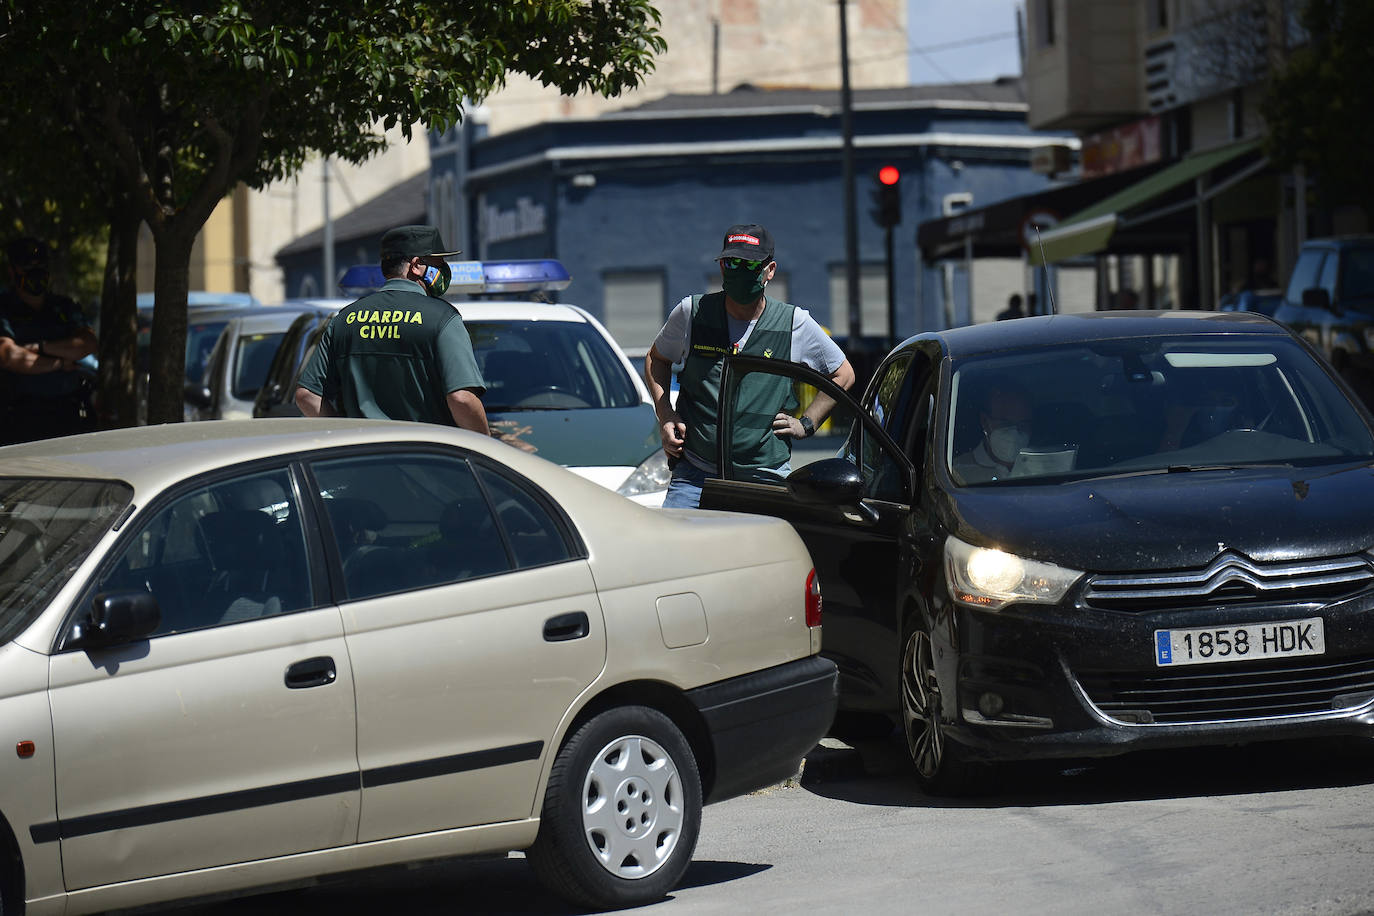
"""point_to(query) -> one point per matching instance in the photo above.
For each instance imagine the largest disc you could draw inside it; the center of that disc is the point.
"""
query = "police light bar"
(524, 276)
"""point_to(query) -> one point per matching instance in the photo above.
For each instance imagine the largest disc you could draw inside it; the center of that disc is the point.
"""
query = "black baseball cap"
(414, 242)
(749, 241)
(26, 252)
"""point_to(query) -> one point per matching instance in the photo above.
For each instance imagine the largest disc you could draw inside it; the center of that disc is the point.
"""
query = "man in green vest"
(699, 333)
(401, 352)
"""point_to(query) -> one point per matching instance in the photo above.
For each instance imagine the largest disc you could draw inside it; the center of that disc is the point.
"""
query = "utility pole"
(327, 281)
(851, 229)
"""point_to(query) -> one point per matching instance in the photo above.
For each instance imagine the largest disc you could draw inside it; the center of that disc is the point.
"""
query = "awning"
(1092, 229)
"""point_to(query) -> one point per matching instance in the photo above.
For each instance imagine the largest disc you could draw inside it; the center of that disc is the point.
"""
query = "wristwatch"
(808, 428)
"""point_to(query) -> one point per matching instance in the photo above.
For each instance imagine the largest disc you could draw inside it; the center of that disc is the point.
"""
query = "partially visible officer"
(699, 333)
(402, 352)
(42, 336)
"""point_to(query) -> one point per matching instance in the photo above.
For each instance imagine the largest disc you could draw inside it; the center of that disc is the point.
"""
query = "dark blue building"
(635, 202)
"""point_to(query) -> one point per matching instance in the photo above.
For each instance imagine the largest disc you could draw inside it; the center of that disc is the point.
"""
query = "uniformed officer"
(699, 333)
(401, 352)
(42, 337)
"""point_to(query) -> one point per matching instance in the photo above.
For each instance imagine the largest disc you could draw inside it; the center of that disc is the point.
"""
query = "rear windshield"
(549, 365)
(1140, 405)
(47, 527)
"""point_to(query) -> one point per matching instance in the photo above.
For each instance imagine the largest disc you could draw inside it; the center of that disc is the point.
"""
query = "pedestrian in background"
(1013, 309)
(402, 352)
(43, 335)
(700, 332)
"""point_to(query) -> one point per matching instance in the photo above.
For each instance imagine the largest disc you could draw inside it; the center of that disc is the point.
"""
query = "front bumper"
(1079, 682)
(762, 724)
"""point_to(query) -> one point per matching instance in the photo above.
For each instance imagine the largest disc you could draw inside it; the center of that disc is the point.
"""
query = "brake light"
(813, 600)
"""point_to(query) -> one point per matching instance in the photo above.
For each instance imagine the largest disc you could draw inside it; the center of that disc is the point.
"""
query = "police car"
(558, 385)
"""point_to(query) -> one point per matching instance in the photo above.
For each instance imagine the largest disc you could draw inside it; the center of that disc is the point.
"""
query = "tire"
(942, 767)
(621, 812)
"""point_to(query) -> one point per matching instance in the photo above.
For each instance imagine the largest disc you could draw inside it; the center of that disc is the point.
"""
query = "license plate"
(1208, 645)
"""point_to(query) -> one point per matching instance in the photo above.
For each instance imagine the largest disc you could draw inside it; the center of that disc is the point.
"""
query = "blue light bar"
(524, 276)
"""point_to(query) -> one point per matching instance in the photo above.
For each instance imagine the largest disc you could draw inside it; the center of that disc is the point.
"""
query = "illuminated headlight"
(651, 475)
(991, 579)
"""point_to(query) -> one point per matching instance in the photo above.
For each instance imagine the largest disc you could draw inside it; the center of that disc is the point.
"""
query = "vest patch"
(382, 324)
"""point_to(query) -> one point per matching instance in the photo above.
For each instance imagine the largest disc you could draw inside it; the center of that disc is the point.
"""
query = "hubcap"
(632, 809)
(921, 705)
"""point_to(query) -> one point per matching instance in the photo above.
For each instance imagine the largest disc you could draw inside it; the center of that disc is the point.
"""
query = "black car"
(1083, 535)
(1330, 302)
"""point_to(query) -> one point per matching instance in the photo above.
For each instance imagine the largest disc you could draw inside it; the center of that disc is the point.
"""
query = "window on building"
(1044, 23)
(1159, 14)
(872, 301)
(634, 306)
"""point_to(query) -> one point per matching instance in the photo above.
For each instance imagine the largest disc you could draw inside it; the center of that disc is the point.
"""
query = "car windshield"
(253, 359)
(47, 527)
(548, 365)
(1148, 405)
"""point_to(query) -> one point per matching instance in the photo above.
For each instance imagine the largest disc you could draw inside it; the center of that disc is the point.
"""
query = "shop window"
(872, 300)
(634, 306)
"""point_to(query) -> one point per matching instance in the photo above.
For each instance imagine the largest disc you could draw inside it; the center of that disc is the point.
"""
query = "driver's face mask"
(436, 279)
(32, 280)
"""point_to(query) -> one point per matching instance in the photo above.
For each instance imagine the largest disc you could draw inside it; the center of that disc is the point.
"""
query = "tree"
(1318, 109)
(177, 103)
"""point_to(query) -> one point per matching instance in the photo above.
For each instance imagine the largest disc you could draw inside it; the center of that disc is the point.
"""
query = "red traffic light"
(889, 174)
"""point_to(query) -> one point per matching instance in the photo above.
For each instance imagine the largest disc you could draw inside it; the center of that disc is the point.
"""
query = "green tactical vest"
(759, 398)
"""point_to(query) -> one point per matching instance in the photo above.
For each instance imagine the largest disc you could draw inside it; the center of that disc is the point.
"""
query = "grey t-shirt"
(811, 346)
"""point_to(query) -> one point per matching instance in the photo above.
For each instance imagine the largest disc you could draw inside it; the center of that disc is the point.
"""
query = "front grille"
(1232, 578)
(1245, 690)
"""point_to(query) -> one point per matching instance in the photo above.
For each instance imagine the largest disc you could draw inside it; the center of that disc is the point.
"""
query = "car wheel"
(941, 767)
(621, 813)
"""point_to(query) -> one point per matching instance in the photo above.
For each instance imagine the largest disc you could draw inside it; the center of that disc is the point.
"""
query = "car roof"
(268, 318)
(197, 297)
(1054, 330)
(514, 310)
(152, 457)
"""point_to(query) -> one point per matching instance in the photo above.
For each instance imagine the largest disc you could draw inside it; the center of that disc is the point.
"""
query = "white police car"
(558, 385)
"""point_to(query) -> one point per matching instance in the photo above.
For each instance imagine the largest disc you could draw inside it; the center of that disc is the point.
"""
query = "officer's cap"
(414, 242)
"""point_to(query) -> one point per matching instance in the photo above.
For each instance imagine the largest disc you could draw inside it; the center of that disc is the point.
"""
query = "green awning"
(1091, 229)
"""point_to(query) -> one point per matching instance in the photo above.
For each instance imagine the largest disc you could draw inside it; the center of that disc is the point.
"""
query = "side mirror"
(1316, 298)
(115, 618)
(197, 395)
(831, 482)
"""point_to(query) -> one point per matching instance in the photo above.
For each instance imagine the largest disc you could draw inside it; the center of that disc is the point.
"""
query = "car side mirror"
(116, 618)
(1316, 298)
(830, 482)
(197, 395)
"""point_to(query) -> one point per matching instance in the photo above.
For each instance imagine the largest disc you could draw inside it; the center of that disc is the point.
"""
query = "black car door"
(849, 497)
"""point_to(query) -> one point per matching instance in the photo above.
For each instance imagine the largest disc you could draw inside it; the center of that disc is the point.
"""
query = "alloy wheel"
(921, 706)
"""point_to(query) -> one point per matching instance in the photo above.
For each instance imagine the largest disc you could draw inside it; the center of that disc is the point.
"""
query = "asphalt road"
(1268, 829)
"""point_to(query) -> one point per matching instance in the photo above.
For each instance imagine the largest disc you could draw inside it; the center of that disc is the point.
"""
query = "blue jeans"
(684, 487)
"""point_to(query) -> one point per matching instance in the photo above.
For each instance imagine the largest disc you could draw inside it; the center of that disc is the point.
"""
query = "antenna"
(1045, 266)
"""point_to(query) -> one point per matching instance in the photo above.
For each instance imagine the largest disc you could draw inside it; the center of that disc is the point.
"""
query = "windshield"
(1153, 404)
(253, 359)
(47, 526)
(548, 365)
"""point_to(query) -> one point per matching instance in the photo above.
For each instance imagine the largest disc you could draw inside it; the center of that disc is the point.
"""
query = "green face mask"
(744, 285)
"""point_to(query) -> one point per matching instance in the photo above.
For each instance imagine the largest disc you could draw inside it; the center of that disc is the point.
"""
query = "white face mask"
(1006, 442)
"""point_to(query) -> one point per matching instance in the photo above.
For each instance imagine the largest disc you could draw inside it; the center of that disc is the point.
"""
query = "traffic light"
(888, 197)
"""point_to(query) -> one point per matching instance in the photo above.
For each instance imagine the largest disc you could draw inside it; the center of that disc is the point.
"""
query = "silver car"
(243, 653)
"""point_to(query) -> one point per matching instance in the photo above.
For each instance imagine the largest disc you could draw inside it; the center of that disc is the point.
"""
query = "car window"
(1305, 274)
(220, 554)
(253, 359)
(1357, 273)
(47, 527)
(542, 365)
(1330, 268)
(1163, 404)
(535, 538)
(201, 337)
(407, 521)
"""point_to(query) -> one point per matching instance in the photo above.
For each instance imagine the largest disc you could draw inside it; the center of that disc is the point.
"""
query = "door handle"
(311, 672)
(566, 626)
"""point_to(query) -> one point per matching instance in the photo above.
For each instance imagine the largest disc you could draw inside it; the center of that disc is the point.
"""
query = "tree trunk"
(167, 352)
(118, 399)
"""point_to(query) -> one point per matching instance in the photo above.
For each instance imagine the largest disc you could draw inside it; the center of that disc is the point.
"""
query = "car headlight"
(651, 475)
(989, 579)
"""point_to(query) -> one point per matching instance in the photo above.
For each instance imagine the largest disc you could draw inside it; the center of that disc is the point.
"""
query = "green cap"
(414, 242)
